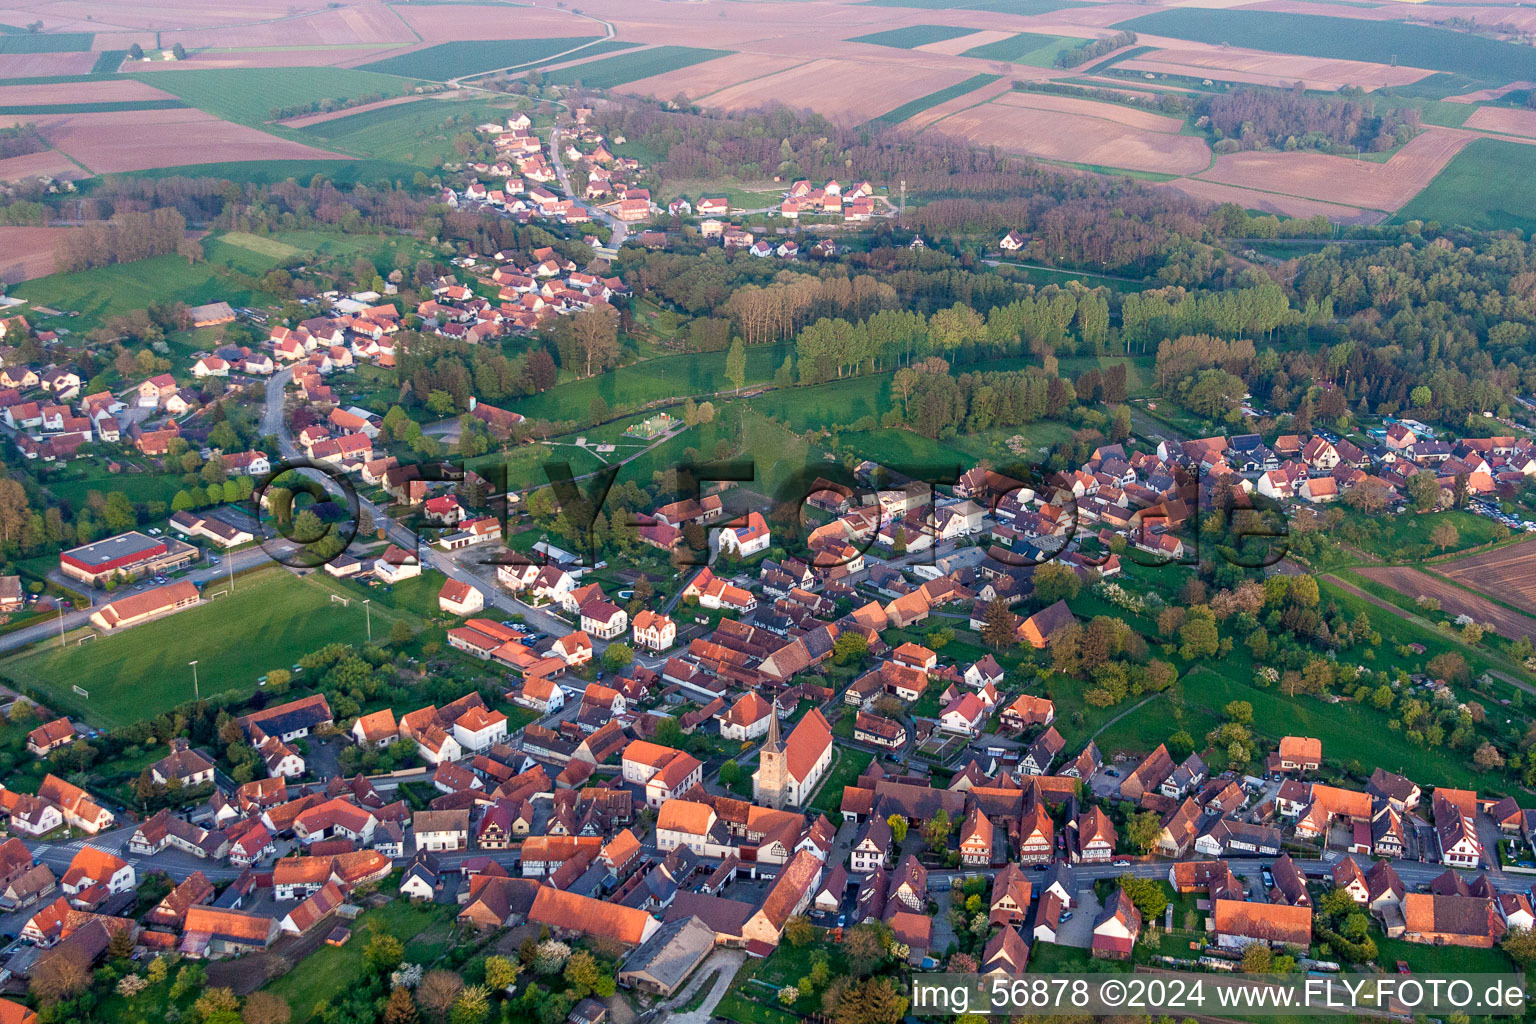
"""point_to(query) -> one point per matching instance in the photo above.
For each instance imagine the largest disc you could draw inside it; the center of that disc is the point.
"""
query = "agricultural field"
(913, 36)
(1454, 601)
(1490, 185)
(1505, 120)
(1024, 8)
(612, 72)
(459, 59)
(1315, 35)
(35, 65)
(846, 90)
(1507, 573)
(151, 139)
(701, 80)
(50, 162)
(335, 27)
(27, 253)
(251, 95)
(45, 42)
(1269, 202)
(1026, 48)
(99, 91)
(271, 620)
(1338, 179)
(1199, 61)
(1084, 132)
(924, 103)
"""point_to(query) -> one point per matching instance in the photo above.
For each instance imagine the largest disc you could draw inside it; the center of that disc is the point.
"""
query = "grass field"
(1391, 535)
(104, 107)
(270, 621)
(933, 99)
(469, 57)
(913, 36)
(251, 95)
(647, 381)
(631, 67)
(1313, 35)
(1029, 48)
(107, 291)
(411, 133)
(1490, 185)
(1350, 732)
(139, 487)
(425, 929)
(846, 768)
(51, 42)
(109, 61)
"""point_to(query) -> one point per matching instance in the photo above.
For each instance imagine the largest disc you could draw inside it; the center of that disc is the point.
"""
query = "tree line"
(126, 238)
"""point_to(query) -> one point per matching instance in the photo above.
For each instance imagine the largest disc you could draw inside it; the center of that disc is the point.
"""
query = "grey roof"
(673, 952)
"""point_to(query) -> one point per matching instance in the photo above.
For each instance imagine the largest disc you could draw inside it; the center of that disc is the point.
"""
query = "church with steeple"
(789, 770)
(768, 782)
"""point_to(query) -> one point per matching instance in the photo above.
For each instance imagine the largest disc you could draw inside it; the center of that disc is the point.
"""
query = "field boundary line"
(767, 74)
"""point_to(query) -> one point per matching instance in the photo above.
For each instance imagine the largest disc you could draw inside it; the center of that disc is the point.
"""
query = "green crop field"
(109, 291)
(251, 95)
(102, 107)
(913, 36)
(631, 67)
(109, 61)
(933, 99)
(1490, 185)
(268, 172)
(1314, 35)
(272, 619)
(451, 60)
(1026, 48)
(55, 79)
(50, 42)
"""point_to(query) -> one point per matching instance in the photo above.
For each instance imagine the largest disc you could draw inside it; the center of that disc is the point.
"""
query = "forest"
(1257, 118)
(20, 140)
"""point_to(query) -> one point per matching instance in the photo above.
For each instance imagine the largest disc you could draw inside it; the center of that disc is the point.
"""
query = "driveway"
(727, 962)
(1079, 931)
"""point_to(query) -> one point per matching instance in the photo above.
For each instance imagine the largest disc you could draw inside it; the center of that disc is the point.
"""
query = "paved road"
(619, 228)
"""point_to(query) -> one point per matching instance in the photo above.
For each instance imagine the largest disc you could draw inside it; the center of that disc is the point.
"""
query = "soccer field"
(271, 620)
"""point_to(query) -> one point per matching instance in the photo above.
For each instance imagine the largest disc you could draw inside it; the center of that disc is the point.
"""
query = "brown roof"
(1038, 628)
(806, 743)
(231, 924)
(685, 816)
(1473, 916)
(149, 602)
(794, 881)
(1301, 748)
(1271, 922)
(591, 917)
